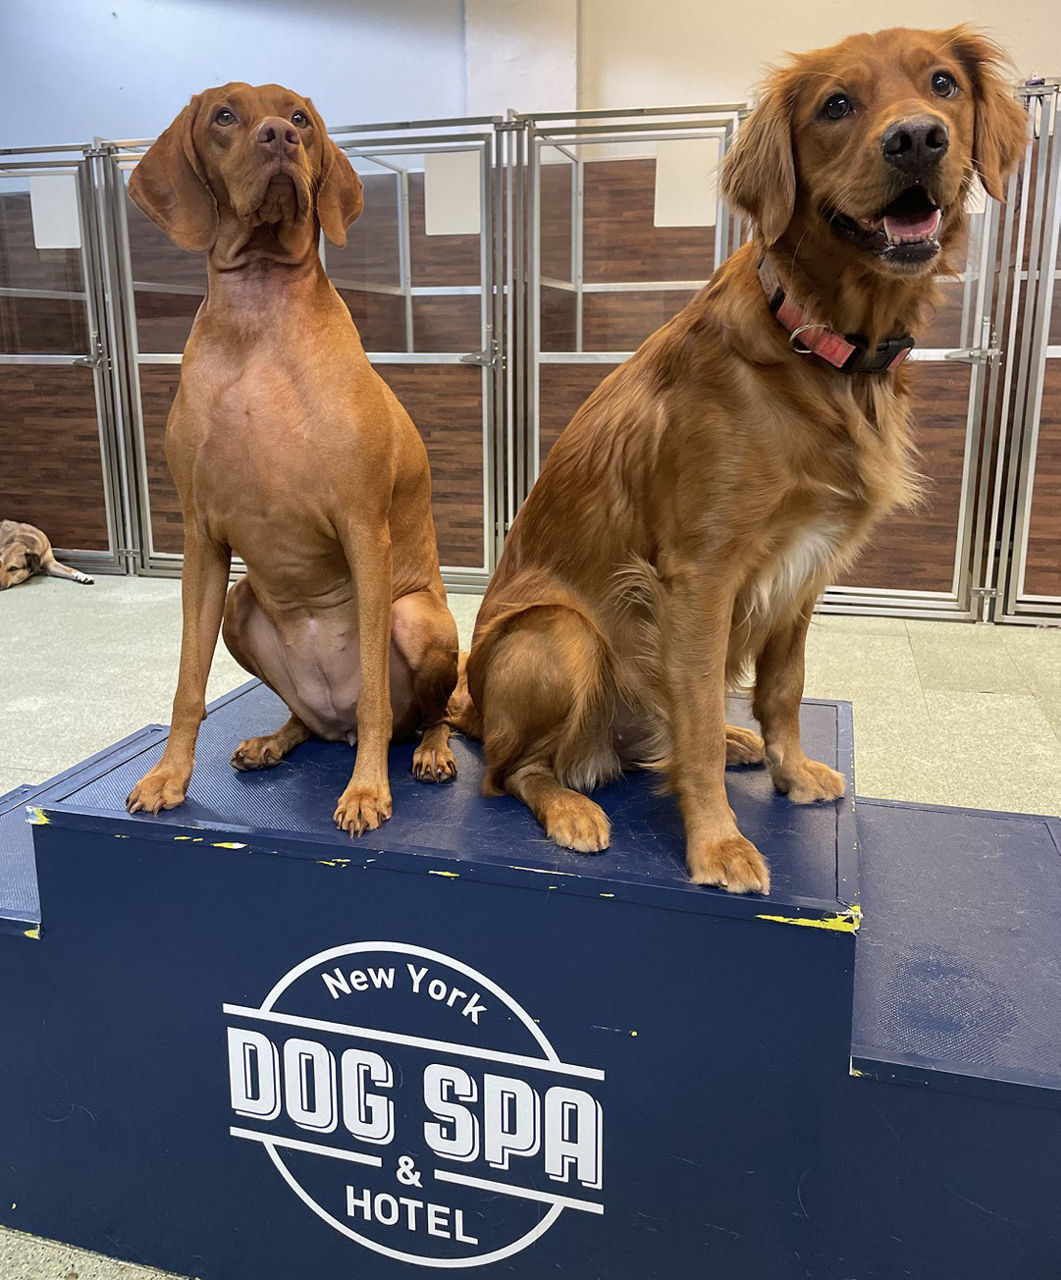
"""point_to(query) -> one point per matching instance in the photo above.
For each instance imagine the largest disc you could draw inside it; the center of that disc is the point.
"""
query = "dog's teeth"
(912, 230)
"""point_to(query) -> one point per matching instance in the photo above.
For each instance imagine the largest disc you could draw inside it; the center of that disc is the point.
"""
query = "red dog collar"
(849, 353)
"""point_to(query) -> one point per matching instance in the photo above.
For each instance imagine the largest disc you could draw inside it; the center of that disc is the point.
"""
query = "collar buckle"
(847, 353)
(880, 359)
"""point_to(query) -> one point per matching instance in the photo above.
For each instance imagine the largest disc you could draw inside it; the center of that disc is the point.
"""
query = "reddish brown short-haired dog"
(688, 518)
(289, 450)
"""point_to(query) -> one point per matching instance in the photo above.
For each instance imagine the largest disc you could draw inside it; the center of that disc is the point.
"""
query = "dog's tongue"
(911, 226)
(901, 228)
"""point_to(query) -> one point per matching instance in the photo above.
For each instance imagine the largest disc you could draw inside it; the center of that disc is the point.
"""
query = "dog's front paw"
(83, 577)
(434, 764)
(732, 863)
(809, 781)
(161, 788)
(577, 822)
(363, 807)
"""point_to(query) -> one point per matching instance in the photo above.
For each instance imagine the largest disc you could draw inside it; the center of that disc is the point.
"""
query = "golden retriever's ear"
(340, 195)
(169, 186)
(759, 172)
(1001, 129)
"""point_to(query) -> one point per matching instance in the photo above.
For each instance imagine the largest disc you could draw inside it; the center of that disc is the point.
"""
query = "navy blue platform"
(294, 803)
(958, 980)
(240, 1045)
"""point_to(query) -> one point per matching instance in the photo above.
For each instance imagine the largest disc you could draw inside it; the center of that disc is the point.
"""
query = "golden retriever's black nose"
(278, 135)
(914, 146)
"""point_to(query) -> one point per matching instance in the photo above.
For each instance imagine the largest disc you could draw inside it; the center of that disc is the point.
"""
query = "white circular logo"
(414, 1105)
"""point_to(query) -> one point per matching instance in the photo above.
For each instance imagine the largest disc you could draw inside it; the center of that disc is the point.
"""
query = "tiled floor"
(944, 713)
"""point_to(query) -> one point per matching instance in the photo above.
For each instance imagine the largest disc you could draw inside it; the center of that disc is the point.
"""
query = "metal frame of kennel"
(82, 162)
(394, 149)
(570, 134)
(572, 137)
(1031, 289)
(1004, 335)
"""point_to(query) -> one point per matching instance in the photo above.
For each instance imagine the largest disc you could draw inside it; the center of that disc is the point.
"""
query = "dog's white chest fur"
(784, 577)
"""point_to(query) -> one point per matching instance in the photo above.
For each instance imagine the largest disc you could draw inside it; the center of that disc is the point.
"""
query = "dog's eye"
(224, 116)
(300, 118)
(837, 106)
(944, 84)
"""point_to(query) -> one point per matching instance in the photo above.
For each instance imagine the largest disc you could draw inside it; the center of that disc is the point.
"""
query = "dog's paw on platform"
(733, 864)
(363, 807)
(809, 782)
(269, 749)
(743, 746)
(576, 822)
(159, 789)
(434, 764)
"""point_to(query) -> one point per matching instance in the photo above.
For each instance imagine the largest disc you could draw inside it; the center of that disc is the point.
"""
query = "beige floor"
(944, 713)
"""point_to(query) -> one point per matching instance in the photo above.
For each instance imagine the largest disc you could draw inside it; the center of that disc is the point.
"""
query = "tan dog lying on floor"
(24, 551)
(289, 450)
(698, 503)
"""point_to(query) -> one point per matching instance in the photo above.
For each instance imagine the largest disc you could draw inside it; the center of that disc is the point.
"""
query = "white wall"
(677, 52)
(71, 70)
(521, 54)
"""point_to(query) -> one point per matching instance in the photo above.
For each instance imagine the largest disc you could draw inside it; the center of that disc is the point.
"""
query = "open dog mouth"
(905, 231)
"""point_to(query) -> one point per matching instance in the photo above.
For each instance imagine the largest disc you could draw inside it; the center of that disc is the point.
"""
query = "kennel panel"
(52, 471)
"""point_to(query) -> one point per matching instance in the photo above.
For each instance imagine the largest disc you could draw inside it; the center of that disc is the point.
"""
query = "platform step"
(958, 964)
(20, 910)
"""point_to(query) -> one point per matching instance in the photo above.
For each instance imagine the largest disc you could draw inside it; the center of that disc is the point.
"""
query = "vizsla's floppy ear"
(340, 195)
(759, 173)
(169, 186)
(1001, 129)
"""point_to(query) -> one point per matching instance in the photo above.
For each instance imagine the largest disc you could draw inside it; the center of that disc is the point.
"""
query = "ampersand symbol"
(407, 1174)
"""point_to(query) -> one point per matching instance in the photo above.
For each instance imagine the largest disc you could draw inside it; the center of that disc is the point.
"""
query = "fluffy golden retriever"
(697, 504)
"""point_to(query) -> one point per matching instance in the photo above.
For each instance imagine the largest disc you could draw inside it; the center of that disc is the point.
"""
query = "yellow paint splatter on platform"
(843, 922)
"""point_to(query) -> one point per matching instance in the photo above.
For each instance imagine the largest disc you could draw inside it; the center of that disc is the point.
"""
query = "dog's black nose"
(914, 146)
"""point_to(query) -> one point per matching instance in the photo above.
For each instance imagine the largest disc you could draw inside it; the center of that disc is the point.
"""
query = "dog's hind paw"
(434, 764)
(743, 746)
(256, 753)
